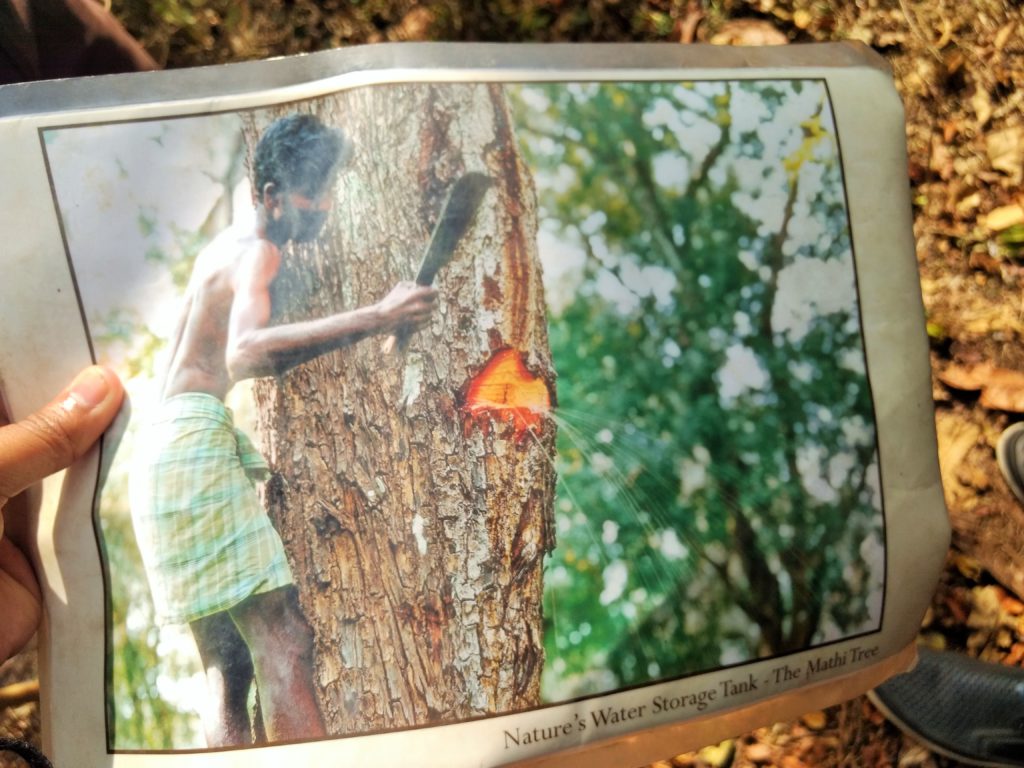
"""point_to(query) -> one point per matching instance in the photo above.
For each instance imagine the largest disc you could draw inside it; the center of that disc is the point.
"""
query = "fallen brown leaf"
(1004, 396)
(981, 260)
(969, 204)
(1006, 152)
(966, 377)
(19, 693)
(950, 128)
(1001, 388)
(758, 753)
(981, 103)
(415, 25)
(975, 478)
(748, 32)
(718, 755)
(1011, 605)
(816, 721)
(1003, 35)
(915, 756)
(956, 610)
(968, 566)
(941, 161)
(1003, 217)
(685, 30)
(1015, 656)
(802, 18)
(985, 611)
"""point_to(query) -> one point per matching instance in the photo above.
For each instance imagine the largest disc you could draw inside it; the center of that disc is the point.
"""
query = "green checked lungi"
(205, 540)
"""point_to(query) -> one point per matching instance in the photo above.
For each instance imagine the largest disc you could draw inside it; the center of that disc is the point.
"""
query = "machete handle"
(390, 344)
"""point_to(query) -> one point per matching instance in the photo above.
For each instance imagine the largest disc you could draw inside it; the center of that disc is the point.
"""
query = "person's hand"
(407, 306)
(41, 444)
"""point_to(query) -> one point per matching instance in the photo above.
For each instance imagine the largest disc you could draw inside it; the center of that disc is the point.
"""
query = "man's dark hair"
(300, 154)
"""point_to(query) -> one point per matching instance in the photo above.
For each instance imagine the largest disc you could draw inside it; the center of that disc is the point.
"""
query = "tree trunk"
(416, 520)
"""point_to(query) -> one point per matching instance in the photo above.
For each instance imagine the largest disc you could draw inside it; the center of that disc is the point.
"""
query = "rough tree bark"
(416, 525)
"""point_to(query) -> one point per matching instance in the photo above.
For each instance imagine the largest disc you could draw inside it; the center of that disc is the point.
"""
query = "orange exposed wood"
(506, 390)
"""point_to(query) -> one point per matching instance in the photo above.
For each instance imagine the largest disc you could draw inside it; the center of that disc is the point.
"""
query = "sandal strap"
(26, 752)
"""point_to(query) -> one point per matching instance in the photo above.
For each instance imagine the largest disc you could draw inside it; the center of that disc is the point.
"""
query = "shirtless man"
(212, 557)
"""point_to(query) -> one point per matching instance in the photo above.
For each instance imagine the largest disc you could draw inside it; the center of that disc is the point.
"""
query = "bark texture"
(416, 528)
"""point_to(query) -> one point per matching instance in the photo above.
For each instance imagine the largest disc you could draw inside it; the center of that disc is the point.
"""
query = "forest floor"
(955, 65)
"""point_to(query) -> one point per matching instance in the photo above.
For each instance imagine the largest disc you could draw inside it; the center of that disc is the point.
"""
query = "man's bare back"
(198, 355)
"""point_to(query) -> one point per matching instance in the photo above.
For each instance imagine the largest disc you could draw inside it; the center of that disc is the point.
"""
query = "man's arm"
(256, 348)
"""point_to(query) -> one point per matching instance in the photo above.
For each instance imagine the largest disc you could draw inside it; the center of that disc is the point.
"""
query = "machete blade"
(457, 215)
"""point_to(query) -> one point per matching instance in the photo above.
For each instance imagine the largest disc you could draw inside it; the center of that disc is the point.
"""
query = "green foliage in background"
(717, 471)
(140, 717)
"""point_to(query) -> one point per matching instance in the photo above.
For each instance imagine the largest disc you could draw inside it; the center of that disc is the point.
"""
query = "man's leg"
(229, 676)
(281, 644)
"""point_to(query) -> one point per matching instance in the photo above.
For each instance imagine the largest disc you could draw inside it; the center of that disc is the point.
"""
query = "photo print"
(493, 395)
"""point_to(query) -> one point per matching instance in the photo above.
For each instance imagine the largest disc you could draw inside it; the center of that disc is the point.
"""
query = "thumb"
(59, 433)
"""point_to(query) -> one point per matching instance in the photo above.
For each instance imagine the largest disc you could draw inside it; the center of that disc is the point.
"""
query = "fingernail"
(88, 390)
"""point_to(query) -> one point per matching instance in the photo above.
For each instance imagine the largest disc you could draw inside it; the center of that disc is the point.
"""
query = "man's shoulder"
(255, 258)
(236, 247)
(235, 259)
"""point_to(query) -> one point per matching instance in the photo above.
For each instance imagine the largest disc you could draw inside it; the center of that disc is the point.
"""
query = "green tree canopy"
(719, 497)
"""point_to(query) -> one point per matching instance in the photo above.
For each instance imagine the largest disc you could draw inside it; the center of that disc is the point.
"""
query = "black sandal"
(26, 752)
(1010, 455)
(959, 707)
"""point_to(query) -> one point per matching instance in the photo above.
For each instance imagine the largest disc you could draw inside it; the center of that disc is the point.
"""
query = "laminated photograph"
(486, 404)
